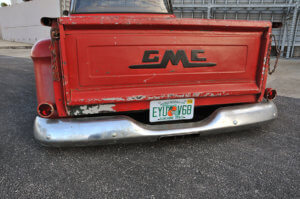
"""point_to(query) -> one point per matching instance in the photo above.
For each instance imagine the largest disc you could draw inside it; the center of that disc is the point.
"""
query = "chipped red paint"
(95, 53)
(41, 56)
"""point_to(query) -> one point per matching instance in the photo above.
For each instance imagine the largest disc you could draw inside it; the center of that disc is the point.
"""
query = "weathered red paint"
(41, 56)
(96, 50)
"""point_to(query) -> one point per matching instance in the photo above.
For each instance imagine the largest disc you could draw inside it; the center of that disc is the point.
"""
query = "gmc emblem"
(174, 58)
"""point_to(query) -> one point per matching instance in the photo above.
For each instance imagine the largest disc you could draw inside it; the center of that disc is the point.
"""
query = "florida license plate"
(169, 110)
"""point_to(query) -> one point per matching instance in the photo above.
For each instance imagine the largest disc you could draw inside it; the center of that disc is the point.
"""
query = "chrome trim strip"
(122, 129)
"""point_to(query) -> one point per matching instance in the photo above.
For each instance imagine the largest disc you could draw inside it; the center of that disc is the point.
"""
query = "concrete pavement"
(286, 79)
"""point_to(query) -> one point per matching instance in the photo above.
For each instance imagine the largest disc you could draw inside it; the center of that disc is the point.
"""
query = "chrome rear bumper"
(122, 129)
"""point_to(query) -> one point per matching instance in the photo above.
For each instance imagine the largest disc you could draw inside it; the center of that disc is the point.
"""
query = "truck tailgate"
(127, 62)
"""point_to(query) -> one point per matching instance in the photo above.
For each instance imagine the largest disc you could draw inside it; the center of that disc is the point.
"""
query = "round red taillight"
(270, 93)
(45, 110)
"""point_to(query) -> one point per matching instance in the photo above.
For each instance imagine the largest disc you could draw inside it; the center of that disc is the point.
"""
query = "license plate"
(169, 110)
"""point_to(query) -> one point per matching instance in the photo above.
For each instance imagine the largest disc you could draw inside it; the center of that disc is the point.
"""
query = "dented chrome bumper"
(122, 129)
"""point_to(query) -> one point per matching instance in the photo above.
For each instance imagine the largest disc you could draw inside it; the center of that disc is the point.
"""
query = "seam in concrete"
(15, 47)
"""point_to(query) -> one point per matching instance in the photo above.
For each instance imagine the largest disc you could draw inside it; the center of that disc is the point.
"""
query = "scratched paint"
(146, 80)
(113, 99)
(136, 98)
(168, 96)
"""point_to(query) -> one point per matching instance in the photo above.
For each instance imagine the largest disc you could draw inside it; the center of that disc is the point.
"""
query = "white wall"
(21, 22)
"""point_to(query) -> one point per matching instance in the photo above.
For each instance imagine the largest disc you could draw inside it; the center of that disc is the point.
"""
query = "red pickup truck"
(130, 71)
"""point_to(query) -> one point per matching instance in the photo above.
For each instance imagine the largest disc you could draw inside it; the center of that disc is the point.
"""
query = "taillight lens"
(45, 110)
(270, 93)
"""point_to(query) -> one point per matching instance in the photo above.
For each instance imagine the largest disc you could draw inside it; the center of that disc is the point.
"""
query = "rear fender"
(41, 57)
(48, 84)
